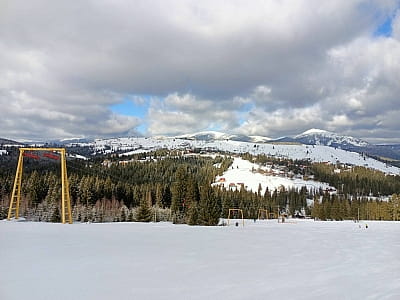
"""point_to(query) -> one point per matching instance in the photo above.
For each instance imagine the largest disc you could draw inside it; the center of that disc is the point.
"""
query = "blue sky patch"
(385, 29)
(131, 108)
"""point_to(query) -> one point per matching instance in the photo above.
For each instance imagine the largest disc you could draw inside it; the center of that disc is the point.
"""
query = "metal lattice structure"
(233, 211)
(66, 215)
(262, 212)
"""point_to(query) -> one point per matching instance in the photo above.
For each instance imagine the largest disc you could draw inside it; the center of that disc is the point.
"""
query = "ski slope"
(315, 153)
(243, 172)
(262, 260)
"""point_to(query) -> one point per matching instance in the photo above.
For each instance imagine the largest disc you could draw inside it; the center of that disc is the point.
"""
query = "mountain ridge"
(4, 141)
(217, 136)
(322, 137)
(311, 136)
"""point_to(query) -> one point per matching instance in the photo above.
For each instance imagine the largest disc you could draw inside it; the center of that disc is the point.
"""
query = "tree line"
(163, 187)
(355, 180)
(340, 208)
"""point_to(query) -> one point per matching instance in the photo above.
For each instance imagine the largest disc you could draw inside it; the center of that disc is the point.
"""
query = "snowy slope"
(327, 138)
(205, 135)
(245, 172)
(8, 143)
(309, 137)
(259, 139)
(262, 260)
(315, 153)
(216, 135)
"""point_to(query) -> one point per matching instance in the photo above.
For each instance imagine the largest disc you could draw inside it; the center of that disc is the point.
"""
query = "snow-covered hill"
(7, 142)
(327, 138)
(309, 137)
(252, 177)
(315, 153)
(220, 136)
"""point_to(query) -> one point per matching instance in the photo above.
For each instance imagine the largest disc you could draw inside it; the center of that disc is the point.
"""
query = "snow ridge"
(322, 137)
(314, 153)
(218, 136)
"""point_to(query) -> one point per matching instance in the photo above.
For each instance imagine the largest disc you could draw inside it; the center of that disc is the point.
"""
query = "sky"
(274, 68)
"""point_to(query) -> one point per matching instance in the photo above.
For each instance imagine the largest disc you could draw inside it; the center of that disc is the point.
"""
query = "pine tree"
(209, 207)
(33, 188)
(130, 216)
(395, 207)
(192, 197)
(144, 213)
(192, 192)
(334, 208)
(316, 209)
(85, 191)
(55, 216)
(167, 197)
(178, 190)
(159, 196)
(158, 204)
(193, 214)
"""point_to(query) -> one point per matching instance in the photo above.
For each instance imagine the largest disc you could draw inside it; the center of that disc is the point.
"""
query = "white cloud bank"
(260, 67)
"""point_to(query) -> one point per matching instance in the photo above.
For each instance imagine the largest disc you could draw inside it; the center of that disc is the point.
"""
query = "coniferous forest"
(170, 186)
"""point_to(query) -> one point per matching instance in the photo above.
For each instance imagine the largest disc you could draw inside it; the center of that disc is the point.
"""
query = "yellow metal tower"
(233, 211)
(66, 215)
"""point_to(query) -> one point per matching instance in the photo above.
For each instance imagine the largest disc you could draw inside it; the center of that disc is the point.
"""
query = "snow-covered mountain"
(204, 136)
(220, 136)
(315, 153)
(315, 137)
(349, 143)
(9, 142)
(327, 138)
(73, 140)
(309, 137)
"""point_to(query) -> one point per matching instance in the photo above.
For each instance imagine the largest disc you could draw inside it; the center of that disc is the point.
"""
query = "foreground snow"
(263, 260)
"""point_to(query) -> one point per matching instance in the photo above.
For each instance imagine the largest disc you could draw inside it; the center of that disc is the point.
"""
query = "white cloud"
(396, 25)
(355, 104)
(187, 113)
(282, 121)
(339, 121)
(259, 67)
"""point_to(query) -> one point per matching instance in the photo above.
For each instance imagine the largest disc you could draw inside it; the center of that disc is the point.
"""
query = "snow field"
(241, 171)
(262, 260)
(315, 153)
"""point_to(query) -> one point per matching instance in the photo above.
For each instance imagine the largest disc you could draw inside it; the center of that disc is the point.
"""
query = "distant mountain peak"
(217, 135)
(206, 135)
(322, 137)
(314, 131)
